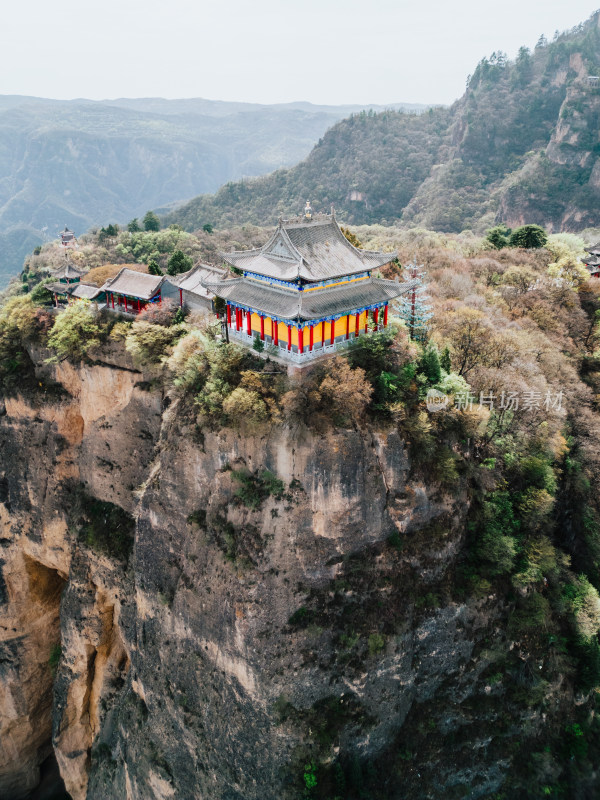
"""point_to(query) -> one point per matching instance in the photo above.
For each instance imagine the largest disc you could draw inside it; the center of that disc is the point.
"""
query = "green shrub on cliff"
(76, 330)
(54, 658)
(148, 343)
(253, 489)
(103, 526)
(244, 406)
(583, 603)
(221, 378)
(332, 391)
(17, 326)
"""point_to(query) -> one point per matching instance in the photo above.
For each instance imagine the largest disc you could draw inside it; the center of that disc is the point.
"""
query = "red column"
(357, 324)
(181, 298)
(300, 340)
(238, 319)
(125, 302)
(262, 328)
(367, 321)
(332, 331)
(323, 333)
(376, 317)
(312, 339)
(249, 322)
(275, 330)
(289, 327)
(385, 313)
(347, 326)
(228, 315)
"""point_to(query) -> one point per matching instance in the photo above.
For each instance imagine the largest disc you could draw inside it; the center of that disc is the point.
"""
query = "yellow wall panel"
(340, 326)
(255, 323)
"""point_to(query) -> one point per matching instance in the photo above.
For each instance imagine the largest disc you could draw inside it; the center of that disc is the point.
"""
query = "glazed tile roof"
(134, 284)
(67, 271)
(58, 288)
(313, 250)
(85, 291)
(321, 303)
(191, 281)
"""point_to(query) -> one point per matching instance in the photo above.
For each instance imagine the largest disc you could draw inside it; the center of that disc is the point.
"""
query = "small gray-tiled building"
(63, 292)
(187, 291)
(132, 291)
(87, 291)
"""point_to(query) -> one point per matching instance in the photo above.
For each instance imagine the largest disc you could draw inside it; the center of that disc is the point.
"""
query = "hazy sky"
(324, 51)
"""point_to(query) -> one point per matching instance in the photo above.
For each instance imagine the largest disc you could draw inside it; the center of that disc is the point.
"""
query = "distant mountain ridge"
(82, 162)
(522, 144)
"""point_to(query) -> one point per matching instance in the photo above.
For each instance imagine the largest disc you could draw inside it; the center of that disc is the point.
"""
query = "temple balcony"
(281, 350)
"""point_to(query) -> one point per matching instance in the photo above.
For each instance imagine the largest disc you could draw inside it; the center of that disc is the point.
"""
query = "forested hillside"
(369, 166)
(522, 144)
(82, 163)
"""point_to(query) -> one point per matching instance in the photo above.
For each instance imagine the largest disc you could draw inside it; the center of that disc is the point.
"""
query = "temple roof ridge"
(311, 249)
(301, 219)
(280, 232)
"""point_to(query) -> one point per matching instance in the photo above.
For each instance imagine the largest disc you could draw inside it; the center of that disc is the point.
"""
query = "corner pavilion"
(307, 290)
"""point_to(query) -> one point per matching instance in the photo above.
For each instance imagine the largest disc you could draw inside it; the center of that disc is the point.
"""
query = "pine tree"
(178, 263)
(415, 309)
(498, 236)
(430, 364)
(258, 345)
(445, 362)
(529, 237)
(153, 267)
(151, 221)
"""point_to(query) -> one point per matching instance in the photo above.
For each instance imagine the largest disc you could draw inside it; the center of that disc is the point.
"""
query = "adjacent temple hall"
(307, 290)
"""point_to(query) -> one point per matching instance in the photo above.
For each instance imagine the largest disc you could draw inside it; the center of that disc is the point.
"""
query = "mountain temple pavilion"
(307, 291)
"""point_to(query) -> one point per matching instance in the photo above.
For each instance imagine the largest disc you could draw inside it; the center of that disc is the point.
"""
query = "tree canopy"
(528, 237)
(178, 263)
(151, 221)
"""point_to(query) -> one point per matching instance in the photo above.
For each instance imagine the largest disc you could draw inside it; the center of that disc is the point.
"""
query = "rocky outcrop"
(276, 608)
(70, 434)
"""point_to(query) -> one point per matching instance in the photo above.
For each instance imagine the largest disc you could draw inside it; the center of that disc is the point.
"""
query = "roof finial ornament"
(333, 211)
(307, 210)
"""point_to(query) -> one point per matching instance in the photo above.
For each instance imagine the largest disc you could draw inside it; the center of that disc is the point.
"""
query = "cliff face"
(71, 433)
(242, 639)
